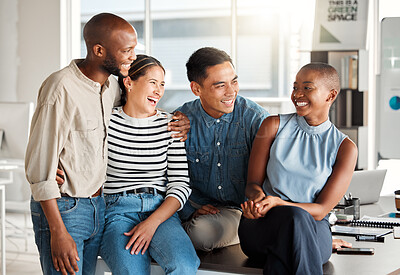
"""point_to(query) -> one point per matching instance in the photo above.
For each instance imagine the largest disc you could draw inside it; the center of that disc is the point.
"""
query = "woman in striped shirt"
(147, 181)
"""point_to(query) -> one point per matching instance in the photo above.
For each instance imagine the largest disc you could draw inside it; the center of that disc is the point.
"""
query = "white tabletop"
(11, 164)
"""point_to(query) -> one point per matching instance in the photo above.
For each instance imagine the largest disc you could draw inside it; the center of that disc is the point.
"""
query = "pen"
(384, 234)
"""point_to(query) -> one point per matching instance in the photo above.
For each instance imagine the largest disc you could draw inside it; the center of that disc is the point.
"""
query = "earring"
(129, 90)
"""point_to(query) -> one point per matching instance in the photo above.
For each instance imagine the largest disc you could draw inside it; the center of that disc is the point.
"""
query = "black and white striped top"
(142, 153)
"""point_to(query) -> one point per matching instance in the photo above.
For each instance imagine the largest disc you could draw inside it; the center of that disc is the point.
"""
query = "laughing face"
(311, 96)
(120, 52)
(146, 92)
(219, 90)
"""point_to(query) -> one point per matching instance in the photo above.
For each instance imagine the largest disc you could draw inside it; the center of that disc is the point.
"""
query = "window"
(131, 10)
(271, 39)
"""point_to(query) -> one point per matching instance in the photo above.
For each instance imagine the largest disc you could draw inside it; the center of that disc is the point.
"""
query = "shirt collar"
(210, 121)
(73, 65)
(313, 129)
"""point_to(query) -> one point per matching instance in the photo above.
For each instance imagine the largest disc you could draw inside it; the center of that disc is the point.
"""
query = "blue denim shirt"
(218, 151)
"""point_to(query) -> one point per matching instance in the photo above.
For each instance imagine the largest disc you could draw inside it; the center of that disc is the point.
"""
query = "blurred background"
(268, 41)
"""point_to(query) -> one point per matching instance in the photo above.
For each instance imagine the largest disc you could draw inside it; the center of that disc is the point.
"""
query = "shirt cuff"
(45, 190)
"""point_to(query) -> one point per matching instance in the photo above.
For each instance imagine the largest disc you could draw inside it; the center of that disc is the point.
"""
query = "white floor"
(20, 260)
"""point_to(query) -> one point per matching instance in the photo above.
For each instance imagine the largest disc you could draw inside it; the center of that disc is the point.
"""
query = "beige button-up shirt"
(68, 131)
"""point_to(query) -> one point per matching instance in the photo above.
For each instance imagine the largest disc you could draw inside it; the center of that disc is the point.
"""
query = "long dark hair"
(138, 68)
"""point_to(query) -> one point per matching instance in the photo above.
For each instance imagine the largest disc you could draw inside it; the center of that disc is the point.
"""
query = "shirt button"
(97, 85)
(218, 120)
(219, 187)
(218, 143)
(218, 164)
(197, 160)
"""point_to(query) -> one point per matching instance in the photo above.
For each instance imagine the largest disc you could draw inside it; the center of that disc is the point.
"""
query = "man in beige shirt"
(68, 131)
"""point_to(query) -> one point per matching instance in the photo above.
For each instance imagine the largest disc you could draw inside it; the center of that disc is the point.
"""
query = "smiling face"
(218, 90)
(145, 92)
(312, 97)
(120, 51)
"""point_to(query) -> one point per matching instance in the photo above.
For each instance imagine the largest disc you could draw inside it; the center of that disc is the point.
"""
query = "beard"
(111, 66)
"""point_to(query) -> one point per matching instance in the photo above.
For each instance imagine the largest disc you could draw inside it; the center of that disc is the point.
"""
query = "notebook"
(367, 228)
(354, 231)
(366, 185)
(377, 222)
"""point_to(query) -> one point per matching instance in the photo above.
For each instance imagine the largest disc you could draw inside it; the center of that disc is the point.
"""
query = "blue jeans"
(84, 220)
(170, 246)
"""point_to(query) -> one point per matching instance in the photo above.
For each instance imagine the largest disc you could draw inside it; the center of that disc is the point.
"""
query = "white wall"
(29, 52)
(30, 47)
(8, 50)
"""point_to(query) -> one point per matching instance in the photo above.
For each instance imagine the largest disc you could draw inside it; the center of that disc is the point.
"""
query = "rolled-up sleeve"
(47, 136)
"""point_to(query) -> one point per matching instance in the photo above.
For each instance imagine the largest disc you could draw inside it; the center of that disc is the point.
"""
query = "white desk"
(231, 260)
(9, 169)
(8, 166)
(384, 261)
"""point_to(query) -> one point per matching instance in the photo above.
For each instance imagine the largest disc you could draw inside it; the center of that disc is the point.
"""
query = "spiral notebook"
(375, 226)
(356, 231)
(378, 222)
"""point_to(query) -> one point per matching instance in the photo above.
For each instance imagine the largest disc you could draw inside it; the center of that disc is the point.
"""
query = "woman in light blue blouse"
(300, 167)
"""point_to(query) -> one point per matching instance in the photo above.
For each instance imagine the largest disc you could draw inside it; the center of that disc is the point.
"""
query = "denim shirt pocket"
(199, 164)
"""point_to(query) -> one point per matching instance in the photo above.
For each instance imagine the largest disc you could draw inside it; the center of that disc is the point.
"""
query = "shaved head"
(101, 27)
(327, 72)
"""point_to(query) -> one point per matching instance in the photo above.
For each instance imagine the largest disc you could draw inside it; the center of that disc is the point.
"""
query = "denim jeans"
(84, 220)
(170, 246)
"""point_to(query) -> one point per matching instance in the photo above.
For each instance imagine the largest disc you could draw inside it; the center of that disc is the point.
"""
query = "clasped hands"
(257, 208)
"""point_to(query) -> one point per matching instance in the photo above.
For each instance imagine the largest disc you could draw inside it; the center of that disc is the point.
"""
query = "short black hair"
(328, 72)
(200, 60)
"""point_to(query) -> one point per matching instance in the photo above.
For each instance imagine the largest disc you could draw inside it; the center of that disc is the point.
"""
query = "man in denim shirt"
(223, 127)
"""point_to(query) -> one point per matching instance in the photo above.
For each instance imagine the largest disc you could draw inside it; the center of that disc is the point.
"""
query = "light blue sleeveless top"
(301, 158)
